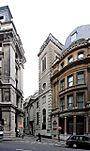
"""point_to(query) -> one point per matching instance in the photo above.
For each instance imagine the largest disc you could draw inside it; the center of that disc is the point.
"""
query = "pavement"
(57, 143)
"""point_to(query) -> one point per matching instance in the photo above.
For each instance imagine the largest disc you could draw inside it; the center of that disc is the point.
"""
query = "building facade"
(71, 86)
(11, 74)
(49, 51)
(31, 110)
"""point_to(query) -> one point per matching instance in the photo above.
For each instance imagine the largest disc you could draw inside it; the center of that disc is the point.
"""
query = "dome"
(81, 32)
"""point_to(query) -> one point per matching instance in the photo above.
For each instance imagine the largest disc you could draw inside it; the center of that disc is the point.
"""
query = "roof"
(54, 41)
(82, 32)
(6, 8)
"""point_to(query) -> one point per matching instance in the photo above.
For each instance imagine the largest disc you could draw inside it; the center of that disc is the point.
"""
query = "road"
(33, 145)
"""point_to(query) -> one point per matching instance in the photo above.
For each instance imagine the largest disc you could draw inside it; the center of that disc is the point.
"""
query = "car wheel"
(74, 145)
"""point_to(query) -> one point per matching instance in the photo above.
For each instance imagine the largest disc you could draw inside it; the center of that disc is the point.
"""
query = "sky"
(35, 19)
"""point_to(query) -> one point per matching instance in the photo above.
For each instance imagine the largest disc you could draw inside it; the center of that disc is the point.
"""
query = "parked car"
(78, 141)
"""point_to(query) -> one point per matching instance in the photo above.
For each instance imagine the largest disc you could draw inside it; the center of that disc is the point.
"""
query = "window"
(43, 63)
(37, 104)
(43, 99)
(80, 78)
(73, 37)
(6, 95)
(70, 59)
(70, 102)
(21, 104)
(62, 64)
(54, 125)
(37, 118)
(0, 62)
(0, 46)
(80, 100)
(44, 119)
(62, 104)
(1, 17)
(70, 80)
(80, 55)
(62, 84)
(44, 86)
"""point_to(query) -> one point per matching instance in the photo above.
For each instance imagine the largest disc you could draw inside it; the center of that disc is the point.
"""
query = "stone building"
(49, 51)
(71, 86)
(11, 74)
(31, 109)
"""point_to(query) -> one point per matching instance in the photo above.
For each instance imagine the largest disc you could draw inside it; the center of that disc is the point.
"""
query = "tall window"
(44, 119)
(44, 86)
(62, 104)
(70, 102)
(73, 37)
(37, 104)
(80, 78)
(62, 84)
(70, 59)
(6, 95)
(43, 99)
(0, 46)
(37, 118)
(62, 64)
(0, 62)
(55, 95)
(80, 100)
(70, 80)
(80, 55)
(43, 63)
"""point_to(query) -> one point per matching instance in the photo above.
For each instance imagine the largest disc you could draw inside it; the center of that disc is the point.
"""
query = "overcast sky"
(35, 19)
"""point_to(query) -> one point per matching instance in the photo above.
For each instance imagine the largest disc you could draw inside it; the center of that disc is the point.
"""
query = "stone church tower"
(49, 51)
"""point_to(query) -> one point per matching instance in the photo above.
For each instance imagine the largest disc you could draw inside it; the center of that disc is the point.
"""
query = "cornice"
(82, 43)
(71, 65)
(10, 35)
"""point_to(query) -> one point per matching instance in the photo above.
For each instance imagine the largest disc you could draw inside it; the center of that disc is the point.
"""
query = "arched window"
(44, 86)
(54, 125)
(70, 59)
(80, 55)
(44, 119)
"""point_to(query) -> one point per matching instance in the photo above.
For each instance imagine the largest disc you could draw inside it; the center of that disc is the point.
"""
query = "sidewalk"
(55, 142)
(33, 138)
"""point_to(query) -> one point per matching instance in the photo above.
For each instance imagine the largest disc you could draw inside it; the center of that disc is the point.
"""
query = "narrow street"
(30, 144)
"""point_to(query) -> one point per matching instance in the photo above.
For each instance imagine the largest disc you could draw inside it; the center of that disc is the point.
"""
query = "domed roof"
(81, 32)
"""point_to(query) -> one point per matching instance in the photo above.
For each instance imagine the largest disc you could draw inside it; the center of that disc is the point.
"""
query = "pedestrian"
(18, 133)
(39, 137)
(23, 133)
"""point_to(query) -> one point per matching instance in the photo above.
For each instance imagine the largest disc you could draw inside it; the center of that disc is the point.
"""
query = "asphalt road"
(32, 145)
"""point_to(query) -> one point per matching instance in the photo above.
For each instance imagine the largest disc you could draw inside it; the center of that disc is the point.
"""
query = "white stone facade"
(11, 77)
(49, 50)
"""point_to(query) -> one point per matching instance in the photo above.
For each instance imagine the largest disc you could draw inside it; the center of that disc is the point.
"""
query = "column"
(87, 124)
(65, 125)
(74, 124)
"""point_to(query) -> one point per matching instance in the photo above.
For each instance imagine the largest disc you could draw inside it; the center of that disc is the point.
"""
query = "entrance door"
(80, 125)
